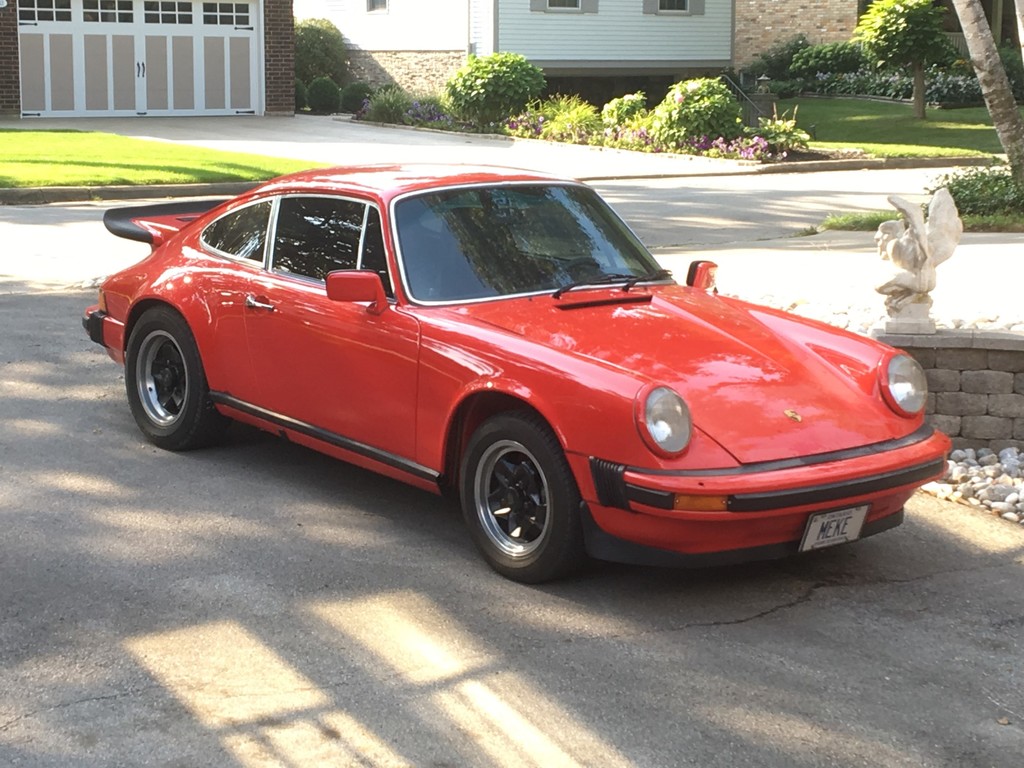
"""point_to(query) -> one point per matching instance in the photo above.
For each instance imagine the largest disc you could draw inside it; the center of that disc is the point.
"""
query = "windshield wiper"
(628, 281)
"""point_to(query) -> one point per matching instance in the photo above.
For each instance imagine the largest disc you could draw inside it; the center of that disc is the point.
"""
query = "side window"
(241, 234)
(374, 255)
(317, 235)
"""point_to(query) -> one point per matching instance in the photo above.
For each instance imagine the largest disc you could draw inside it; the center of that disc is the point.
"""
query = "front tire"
(166, 384)
(520, 500)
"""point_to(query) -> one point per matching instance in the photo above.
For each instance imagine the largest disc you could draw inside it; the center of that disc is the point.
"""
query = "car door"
(237, 242)
(333, 367)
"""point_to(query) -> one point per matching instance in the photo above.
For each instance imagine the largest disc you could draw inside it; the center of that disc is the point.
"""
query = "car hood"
(764, 387)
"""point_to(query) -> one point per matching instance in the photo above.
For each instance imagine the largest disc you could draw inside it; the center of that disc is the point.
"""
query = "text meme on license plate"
(826, 529)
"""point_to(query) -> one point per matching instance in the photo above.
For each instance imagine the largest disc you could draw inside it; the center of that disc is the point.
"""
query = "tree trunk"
(994, 85)
(919, 90)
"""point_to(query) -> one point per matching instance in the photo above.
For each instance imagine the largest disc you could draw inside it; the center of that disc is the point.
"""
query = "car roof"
(389, 181)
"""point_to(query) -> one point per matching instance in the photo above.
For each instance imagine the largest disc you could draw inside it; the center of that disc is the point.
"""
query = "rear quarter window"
(241, 234)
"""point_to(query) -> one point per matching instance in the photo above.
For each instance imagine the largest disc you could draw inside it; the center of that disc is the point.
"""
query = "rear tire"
(520, 500)
(166, 384)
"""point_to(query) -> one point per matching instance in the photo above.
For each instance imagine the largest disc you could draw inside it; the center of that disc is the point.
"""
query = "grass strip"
(868, 221)
(889, 129)
(88, 158)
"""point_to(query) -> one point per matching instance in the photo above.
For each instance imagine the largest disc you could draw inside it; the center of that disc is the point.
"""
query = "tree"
(902, 33)
(995, 86)
(319, 51)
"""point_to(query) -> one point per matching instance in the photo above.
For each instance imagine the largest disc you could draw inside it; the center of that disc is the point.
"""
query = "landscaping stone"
(986, 382)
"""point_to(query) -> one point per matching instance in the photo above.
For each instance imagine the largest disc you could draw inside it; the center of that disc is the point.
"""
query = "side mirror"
(357, 286)
(701, 275)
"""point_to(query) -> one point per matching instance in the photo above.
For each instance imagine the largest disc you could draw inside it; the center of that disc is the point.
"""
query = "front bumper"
(638, 515)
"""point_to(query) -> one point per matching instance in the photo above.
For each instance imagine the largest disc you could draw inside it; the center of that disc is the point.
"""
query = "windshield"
(481, 242)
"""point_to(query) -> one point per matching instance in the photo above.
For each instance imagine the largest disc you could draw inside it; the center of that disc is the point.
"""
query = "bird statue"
(916, 247)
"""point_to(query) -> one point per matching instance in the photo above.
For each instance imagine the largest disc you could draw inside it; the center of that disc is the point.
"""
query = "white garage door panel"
(139, 57)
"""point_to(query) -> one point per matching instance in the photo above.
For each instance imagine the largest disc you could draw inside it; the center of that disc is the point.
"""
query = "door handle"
(253, 303)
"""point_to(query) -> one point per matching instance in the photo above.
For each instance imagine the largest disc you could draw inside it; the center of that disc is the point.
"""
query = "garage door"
(139, 57)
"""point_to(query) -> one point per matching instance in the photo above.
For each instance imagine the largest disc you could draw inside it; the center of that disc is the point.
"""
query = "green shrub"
(828, 57)
(301, 98)
(634, 134)
(776, 61)
(620, 111)
(1014, 66)
(984, 191)
(323, 96)
(571, 119)
(319, 51)
(388, 105)
(353, 95)
(489, 89)
(693, 109)
(787, 89)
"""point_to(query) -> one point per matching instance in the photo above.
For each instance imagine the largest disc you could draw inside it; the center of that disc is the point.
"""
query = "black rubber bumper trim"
(919, 435)
(368, 451)
(759, 502)
(93, 324)
(604, 546)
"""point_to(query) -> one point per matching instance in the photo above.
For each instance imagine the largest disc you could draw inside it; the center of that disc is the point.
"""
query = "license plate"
(826, 529)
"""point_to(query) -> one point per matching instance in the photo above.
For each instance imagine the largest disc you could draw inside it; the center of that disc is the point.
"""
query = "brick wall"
(416, 71)
(279, 55)
(760, 24)
(975, 384)
(10, 83)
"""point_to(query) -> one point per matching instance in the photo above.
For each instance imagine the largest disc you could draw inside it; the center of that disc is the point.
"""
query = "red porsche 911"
(504, 335)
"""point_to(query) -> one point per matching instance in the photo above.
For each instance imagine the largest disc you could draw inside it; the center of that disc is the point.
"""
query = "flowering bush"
(695, 108)
(618, 112)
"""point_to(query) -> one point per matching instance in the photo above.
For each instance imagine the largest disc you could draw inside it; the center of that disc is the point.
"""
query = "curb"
(44, 195)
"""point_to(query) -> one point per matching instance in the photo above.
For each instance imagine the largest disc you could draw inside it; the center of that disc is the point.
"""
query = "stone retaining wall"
(419, 72)
(975, 384)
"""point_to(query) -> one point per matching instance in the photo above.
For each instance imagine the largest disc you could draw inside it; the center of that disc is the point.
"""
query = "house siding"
(10, 80)
(618, 35)
(481, 27)
(760, 24)
(407, 25)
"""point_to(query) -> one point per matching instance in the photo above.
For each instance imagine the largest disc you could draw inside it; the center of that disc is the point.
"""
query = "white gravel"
(985, 479)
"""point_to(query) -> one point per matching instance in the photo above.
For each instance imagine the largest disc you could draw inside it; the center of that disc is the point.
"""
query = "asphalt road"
(259, 604)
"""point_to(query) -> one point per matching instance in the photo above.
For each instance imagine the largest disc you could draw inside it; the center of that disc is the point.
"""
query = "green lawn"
(888, 129)
(85, 158)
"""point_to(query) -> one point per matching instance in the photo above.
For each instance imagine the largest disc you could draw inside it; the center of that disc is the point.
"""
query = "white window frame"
(693, 8)
(582, 6)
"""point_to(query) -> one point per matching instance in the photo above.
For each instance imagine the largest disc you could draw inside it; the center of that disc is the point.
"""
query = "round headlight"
(905, 385)
(665, 421)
